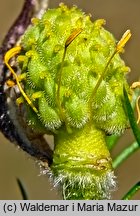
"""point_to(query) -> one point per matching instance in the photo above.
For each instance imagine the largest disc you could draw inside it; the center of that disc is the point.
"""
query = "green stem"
(82, 164)
(132, 191)
(125, 154)
(112, 141)
(131, 116)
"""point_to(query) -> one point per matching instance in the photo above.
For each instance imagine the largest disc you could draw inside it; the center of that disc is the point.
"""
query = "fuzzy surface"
(85, 60)
(62, 70)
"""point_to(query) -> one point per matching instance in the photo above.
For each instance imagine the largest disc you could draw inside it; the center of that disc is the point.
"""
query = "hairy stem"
(82, 164)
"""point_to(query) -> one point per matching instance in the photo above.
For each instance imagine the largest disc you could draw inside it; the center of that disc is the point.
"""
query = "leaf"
(132, 191)
(112, 141)
(131, 116)
(128, 151)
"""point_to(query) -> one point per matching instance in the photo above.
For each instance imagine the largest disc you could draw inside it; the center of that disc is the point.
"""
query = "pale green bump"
(76, 112)
(33, 122)
(103, 96)
(118, 121)
(30, 38)
(36, 72)
(48, 115)
(50, 89)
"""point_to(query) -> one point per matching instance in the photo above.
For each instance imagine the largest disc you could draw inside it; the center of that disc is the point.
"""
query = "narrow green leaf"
(128, 151)
(131, 116)
(112, 141)
(22, 189)
(132, 191)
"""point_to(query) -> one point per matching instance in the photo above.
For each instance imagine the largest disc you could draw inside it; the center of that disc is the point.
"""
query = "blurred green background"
(120, 16)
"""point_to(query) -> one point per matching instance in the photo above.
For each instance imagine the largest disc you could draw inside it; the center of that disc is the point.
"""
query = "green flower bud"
(66, 55)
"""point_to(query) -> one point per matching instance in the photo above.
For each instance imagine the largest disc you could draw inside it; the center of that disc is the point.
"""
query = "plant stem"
(22, 189)
(82, 164)
(132, 191)
(125, 154)
(112, 141)
(131, 116)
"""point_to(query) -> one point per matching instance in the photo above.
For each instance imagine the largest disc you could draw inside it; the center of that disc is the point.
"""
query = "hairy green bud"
(75, 79)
